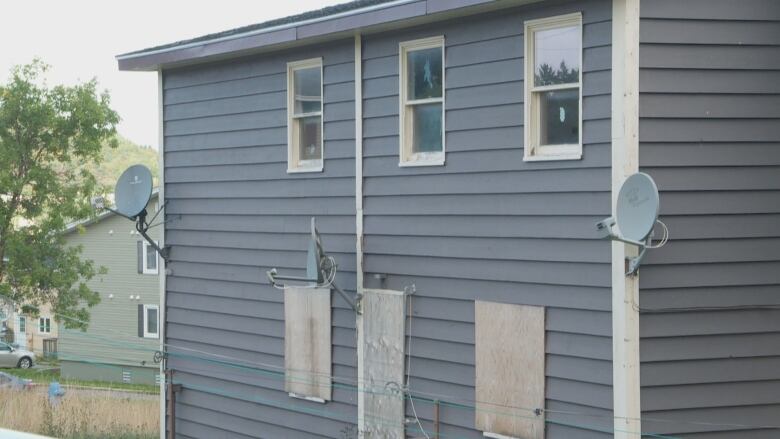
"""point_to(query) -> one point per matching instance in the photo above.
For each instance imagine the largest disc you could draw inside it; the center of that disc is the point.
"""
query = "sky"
(80, 38)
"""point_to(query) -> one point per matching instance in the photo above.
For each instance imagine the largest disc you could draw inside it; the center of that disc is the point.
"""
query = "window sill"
(304, 169)
(552, 157)
(155, 272)
(427, 162)
(152, 337)
(497, 436)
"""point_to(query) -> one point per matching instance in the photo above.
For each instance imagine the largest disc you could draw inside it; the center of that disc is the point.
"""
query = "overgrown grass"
(80, 415)
(45, 376)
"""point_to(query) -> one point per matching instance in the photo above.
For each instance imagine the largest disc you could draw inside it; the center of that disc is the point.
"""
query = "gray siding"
(710, 136)
(241, 214)
(489, 226)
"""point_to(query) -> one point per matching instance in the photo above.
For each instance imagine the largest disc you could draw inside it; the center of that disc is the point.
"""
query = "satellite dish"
(636, 213)
(637, 207)
(320, 271)
(133, 191)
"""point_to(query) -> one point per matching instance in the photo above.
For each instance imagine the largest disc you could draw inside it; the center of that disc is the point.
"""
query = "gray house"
(459, 198)
(123, 331)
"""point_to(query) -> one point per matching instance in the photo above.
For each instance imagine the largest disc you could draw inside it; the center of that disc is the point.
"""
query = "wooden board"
(383, 356)
(307, 344)
(509, 369)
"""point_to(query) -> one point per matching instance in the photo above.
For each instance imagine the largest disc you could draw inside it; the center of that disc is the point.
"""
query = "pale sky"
(80, 38)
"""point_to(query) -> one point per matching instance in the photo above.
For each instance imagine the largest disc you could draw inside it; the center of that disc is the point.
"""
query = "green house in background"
(123, 332)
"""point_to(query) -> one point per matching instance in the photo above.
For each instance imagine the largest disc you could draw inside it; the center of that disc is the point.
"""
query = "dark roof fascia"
(373, 16)
(72, 227)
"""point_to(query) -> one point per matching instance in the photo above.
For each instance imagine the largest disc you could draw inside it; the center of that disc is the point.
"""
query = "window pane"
(426, 128)
(559, 118)
(308, 92)
(309, 137)
(557, 56)
(424, 72)
(151, 320)
(151, 258)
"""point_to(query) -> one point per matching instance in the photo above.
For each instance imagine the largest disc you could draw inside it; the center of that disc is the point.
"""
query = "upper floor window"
(422, 102)
(151, 321)
(44, 325)
(304, 116)
(553, 88)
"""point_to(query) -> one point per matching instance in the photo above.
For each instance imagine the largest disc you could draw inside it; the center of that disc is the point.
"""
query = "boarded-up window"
(307, 347)
(383, 359)
(509, 369)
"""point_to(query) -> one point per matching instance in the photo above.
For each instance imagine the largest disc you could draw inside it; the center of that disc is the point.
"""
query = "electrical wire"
(664, 236)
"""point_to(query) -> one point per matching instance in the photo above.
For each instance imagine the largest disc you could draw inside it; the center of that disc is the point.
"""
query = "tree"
(47, 135)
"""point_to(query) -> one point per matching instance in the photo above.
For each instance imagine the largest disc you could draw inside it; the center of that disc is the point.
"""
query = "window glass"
(22, 324)
(308, 91)
(310, 137)
(559, 117)
(427, 128)
(151, 257)
(44, 325)
(424, 72)
(4, 347)
(557, 56)
(151, 320)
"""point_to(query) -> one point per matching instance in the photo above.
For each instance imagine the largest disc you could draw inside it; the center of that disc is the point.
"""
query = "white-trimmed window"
(151, 321)
(150, 261)
(421, 100)
(44, 325)
(304, 116)
(553, 88)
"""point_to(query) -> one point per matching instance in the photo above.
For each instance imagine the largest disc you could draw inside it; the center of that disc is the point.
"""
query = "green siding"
(112, 336)
(108, 372)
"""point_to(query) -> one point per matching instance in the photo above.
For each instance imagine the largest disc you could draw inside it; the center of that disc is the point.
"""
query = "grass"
(81, 415)
(45, 376)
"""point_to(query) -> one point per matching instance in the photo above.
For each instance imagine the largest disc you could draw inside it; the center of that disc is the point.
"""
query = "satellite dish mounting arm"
(143, 227)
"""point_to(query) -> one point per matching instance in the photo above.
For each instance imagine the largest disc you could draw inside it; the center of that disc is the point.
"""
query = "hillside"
(116, 160)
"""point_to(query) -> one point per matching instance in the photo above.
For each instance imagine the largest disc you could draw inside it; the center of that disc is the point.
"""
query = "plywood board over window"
(509, 369)
(307, 344)
(383, 356)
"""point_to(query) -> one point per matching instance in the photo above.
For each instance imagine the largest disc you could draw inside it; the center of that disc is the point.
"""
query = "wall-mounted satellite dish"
(133, 191)
(320, 271)
(636, 213)
(132, 194)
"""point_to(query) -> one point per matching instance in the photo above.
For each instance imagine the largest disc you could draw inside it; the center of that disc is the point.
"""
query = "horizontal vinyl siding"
(489, 226)
(111, 340)
(237, 213)
(709, 118)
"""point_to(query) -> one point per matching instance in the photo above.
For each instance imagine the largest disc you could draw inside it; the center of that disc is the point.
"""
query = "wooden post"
(436, 419)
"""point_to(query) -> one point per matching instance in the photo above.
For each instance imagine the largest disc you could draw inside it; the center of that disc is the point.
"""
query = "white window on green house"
(44, 325)
(422, 102)
(151, 321)
(149, 259)
(553, 88)
(304, 116)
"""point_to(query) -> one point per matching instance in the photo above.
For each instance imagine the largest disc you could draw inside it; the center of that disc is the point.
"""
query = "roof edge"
(72, 227)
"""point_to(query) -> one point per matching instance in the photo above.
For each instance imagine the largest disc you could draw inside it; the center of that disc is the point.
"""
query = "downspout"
(625, 161)
(359, 222)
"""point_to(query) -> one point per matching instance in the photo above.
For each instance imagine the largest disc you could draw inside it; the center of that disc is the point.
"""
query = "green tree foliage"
(47, 136)
(547, 75)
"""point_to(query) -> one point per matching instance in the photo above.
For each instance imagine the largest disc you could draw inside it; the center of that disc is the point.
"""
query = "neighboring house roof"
(72, 227)
(328, 23)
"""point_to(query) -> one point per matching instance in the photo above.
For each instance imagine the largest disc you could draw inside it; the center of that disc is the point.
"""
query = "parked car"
(8, 381)
(15, 357)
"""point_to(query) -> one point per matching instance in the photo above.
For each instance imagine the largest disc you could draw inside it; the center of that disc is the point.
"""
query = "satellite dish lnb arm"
(142, 227)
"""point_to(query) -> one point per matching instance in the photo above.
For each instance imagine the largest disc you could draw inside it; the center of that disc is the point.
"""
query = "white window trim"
(147, 248)
(41, 325)
(406, 157)
(293, 164)
(532, 151)
(148, 334)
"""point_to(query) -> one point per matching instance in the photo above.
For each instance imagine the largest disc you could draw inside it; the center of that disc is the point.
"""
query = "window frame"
(532, 150)
(405, 141)
(294, 164)
(148, 334)
(42, 325)
(147, 247)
